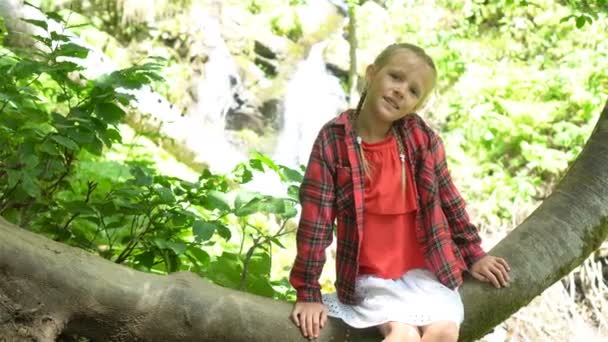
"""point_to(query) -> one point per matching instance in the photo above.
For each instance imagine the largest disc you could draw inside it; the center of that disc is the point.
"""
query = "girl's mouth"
(391, 102)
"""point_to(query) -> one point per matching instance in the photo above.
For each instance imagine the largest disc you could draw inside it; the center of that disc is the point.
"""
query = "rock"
(244, 118)
(272, 111)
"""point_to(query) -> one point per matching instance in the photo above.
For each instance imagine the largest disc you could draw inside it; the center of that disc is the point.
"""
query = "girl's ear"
(370, 72)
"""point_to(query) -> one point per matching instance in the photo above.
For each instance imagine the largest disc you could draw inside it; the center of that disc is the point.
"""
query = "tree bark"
(353, 76)
(47, 288)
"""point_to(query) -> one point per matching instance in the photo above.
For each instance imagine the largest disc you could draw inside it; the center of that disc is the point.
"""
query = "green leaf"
(44, 40)
(200, 255)
(259, 264)
(65, 142)
(30, 161)
(67, 66)
(30, 185)
(114, 225)
(141, 177)
(109, 112)
(178, 247)
(265, 160)
(272, 205)
(251, 207)
(226, 270)
(55, 16)
(291, 174)
(34, 115)
(145, 259)
(13, 177)
(165, 195)
(110, 136)
(216, 200)
(203, 229)
(59, 37)
(293, 191)
(580, 21)
(95, 146)
(39, 23)
(79, 134)
(160, 243)
(256, 164)
(25, 68)
(242, 173)
(60, 121)
(260, 286)
(265, 204)
(566, 18)
(289, 212)
(277, 242)
(224, 232)
(72, 50)
(244, 196)
(50, 149)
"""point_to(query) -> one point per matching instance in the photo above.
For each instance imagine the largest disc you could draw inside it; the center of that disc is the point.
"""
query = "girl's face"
(397, 88)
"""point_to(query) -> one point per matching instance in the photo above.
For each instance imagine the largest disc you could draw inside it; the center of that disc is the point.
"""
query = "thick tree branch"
(569, 225)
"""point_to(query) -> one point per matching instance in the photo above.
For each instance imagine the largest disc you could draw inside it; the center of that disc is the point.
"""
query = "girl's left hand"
(491, 269)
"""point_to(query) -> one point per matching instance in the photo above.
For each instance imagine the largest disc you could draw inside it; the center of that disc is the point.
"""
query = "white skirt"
(416, 298)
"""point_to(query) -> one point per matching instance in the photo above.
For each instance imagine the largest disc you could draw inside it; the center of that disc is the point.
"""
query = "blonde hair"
(380, 61)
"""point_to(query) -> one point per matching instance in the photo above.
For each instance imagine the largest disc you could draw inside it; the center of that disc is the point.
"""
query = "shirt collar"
(343, 120)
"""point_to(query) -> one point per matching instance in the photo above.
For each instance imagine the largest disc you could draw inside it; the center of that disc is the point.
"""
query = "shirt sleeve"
(464, 233)
(314, 232)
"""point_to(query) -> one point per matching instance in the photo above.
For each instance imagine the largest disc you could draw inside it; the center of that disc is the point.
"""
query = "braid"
(361, 100)
(366, 166)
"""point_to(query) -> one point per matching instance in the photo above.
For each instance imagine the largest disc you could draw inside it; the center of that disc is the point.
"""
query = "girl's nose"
(398, 92)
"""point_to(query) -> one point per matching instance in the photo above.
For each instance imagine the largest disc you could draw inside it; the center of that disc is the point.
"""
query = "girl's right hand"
(309, 317)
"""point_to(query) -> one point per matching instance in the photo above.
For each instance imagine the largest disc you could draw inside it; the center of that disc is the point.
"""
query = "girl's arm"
(314, 233)
(464, 233)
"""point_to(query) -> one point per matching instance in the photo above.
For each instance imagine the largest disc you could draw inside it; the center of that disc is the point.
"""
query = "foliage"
(56, 126)
(520, 84)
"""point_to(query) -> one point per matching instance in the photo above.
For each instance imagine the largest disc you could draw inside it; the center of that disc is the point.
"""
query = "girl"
(403, 235)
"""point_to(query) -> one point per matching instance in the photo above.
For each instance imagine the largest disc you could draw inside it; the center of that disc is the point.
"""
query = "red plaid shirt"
(333, 187)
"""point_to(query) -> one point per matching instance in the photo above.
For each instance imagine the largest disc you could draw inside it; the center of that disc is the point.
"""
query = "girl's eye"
(395, 77)
(414, 92)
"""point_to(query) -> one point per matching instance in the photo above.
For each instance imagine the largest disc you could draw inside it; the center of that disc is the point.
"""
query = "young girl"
(403, 235)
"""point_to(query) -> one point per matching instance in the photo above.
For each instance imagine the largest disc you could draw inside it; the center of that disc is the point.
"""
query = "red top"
(389, 247)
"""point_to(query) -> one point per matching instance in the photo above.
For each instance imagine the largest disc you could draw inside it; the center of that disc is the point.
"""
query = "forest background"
(164, 179)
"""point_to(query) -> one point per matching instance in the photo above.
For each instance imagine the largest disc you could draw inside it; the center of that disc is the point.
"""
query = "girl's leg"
(440, 331)
(399, 332)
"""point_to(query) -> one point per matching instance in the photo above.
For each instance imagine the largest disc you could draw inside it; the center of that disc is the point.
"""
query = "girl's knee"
(440, 331)
(396, 331)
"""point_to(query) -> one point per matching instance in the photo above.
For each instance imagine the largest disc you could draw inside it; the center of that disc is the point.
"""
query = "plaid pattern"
(333, 188)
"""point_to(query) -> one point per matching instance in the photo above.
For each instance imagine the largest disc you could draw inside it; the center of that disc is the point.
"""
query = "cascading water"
(313, 97)
(220, 76)
(201, 132)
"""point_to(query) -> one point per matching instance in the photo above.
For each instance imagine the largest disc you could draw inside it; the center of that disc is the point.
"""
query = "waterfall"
(201, 132)
(215, 91)
(312, 98)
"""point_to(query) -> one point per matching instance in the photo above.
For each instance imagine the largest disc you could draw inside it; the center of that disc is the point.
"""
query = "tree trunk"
(47, 288)
(353, 76)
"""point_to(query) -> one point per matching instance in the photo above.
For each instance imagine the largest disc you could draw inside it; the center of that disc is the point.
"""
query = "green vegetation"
(57, 177)
(521, 84)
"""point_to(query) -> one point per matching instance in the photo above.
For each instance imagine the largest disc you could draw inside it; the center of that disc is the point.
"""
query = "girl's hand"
(491, 269)
(309, 317)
